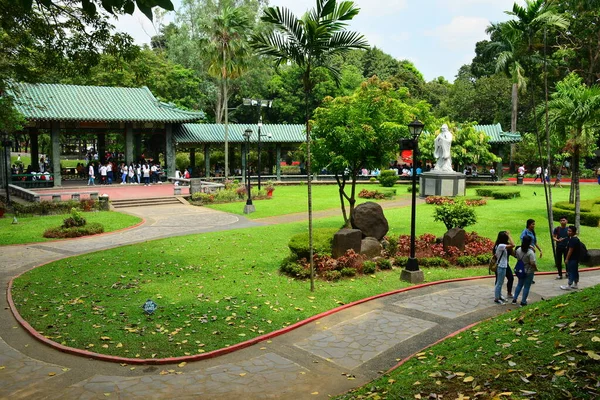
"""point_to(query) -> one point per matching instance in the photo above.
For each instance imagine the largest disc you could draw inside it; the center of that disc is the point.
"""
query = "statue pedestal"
(442, 184)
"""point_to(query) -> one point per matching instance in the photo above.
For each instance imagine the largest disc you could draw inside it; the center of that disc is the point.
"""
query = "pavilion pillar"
(170, 150)
(278, 159)
(207, 160)
(128, 143)
(101, 147)
(55, 141)
(192, 160)
(499, 165)
(137, 148)
(34, 148)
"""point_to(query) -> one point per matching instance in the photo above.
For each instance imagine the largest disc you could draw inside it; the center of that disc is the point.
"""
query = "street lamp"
(249, 207)
(412, 272)
(6, 162)
(259, 103)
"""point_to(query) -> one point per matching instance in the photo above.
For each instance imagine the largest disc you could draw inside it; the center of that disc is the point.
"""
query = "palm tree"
(309, 42)
(574, 110)
(227, 47)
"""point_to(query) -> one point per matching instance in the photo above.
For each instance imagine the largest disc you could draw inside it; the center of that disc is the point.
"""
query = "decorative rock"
(370, 247)
(346, 239)
(455, 237)
(369, 218)
(594, 258)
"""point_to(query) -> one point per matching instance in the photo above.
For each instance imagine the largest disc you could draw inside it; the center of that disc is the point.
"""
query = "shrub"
(506, 195)
(54, 207)
(351, 259)
(400, 261)
(484, 259)
(332, 275)
(77, 231)
(322, 240)
(292, 268)
(439, 200)
(484, 192)
(372, 179)
(466, 261)
(457, 215)
(433, 262)
(203, 198)
(392, 246)
(387, 178)
(409, 189)
(384, 263)
(369, 267)
(376, 194)
(75, 220)
(475, 202)
(347, 271)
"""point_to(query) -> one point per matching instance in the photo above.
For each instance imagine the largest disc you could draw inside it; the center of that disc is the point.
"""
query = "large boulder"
(455, 237)
(370, 247)
(346, 239)
(369, 218)
(594, 260)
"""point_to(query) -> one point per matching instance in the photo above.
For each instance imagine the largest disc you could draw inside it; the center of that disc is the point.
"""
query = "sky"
(438, 36)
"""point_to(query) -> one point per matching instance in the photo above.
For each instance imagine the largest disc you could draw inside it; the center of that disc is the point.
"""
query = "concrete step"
(152, 201)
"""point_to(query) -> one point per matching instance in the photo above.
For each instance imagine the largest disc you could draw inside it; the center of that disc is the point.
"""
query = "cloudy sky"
(438, 36)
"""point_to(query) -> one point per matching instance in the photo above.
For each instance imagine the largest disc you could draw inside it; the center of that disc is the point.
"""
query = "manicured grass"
(550, 350)
(293, 199)
(222, 288)
(31, 228)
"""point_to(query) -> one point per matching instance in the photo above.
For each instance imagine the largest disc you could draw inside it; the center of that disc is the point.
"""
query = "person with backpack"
(572, 259)
(561, 237)
(524, 269)
(502, 248)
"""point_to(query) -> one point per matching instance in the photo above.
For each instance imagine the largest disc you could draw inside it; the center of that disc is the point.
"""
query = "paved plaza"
(325, 357)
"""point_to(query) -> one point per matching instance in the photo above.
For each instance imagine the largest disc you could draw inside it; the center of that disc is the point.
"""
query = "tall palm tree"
(226, 43)
(574, 109)
(309, 42)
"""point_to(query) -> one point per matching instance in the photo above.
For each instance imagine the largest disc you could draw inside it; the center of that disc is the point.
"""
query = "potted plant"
(269, 187)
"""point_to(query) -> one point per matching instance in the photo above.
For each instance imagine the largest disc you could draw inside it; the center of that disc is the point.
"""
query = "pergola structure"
(77, 109)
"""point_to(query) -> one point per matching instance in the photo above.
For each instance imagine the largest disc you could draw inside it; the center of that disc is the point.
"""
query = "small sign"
(150, 306)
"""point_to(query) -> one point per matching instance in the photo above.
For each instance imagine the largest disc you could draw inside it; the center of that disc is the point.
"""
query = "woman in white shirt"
(502, 249)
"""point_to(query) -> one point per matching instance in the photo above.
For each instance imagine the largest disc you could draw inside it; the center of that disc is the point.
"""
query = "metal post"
(259, 143)
(249, 207)
(412, 263)
(6, 164)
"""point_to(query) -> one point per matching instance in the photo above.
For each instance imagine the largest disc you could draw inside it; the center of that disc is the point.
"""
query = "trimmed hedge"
(93, 228)
(484, 192)
(387, 178)
(588, 216)
(506, 195)
(322, 241)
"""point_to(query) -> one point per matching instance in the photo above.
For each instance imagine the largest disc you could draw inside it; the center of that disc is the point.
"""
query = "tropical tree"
(110, 6)
(309, 42)
(361, 131)
(574, 111)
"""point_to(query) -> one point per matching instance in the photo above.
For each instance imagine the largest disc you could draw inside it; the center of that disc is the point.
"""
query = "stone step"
(152, 201)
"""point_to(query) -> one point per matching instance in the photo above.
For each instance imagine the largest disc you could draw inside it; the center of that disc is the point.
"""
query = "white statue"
(442, 151)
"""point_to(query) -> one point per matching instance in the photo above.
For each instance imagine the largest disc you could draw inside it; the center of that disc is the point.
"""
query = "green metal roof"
(215, 133)
(497, 136)
(56, 102)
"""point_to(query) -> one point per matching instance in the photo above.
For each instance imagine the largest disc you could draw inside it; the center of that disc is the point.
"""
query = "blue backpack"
(520, 269)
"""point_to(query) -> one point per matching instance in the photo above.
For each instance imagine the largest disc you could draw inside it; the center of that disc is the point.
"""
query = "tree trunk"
(575, 178)
(226, 112)
(307, 90)
(572, 186)
(341, 186)
(513, 122)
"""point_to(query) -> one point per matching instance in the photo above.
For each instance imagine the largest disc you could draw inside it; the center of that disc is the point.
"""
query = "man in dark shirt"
(561, 237)
(572, 259)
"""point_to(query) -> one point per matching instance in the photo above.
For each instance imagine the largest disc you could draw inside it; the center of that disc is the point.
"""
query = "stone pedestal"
(104, 204)
(442, 184)
(412, 276)
(195, 185)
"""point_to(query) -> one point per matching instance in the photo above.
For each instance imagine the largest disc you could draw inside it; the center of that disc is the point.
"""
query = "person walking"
(572, 260)
(538, 174)
(504, 244)
(525, 254)
(561, 236)
(558, 180)
(598, 174)
(91, 175)
(530, 231)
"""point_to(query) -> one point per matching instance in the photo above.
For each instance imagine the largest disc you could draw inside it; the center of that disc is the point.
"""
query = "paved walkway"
(325, 357)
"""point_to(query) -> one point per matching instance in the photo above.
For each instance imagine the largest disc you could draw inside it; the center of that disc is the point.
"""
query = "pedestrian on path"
(91, 175)
(572, 259)
(561, 236)
(530, 231)
(538, 174)
(558, 180)
(504, 245)
(527, 256)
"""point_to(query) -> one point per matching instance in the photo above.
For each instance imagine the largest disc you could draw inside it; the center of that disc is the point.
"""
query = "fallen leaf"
(468, 379)
(595, 339)
(243, 374)
(51, 373)
(181, 365)
(593, 355)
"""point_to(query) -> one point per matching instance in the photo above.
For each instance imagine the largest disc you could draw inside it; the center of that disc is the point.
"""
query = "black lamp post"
(6, 162)
(412, 272)
(259, 104)
(249, 207)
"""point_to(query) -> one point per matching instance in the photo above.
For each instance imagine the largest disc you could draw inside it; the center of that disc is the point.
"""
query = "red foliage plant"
(426, 246)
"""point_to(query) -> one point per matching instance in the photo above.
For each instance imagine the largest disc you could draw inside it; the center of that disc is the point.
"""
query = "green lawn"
(547, 351)
(222, 288)
(292, 199)
(31, 228)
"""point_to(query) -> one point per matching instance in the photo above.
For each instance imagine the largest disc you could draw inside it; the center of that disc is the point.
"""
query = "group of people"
(134, 173)
(567, 251)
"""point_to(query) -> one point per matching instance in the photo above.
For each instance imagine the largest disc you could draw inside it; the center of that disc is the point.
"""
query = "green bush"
(372, 179)
(400, 261)
(392, 246)
(347, 271)
(457, 215)
(466, 261)
(322, 241)
(75, 220)
(384, 263)
(484, 192)
(589, 215)
(506, 195)
(291, 268)
(433, 262)
(369, 267)
(290, 169)
(483, 259)
(333, 275)
(77, 231)
(54, 207)
(203, 198)
(409, 189)
(387, 178)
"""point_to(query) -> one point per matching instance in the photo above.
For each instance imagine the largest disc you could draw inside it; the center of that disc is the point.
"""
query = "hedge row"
(496, 194)
(93, 228)
(589, 215)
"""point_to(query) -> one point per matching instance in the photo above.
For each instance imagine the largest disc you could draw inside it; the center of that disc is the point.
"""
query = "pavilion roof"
(215, 133)
(57, 102)
(497, 136)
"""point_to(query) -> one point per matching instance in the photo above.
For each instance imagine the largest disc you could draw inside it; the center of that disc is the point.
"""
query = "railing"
(29, 195)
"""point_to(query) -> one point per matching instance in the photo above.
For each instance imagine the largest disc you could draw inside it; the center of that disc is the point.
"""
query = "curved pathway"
(327, 356)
